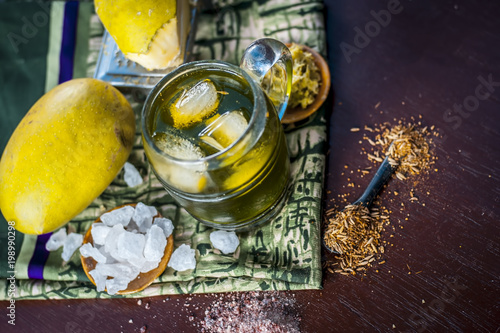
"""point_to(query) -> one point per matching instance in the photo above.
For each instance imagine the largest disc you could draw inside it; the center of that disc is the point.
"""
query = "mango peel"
(64, 153)
(145, 31)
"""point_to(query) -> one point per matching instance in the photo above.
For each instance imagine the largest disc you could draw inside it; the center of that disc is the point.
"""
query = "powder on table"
(252, 312)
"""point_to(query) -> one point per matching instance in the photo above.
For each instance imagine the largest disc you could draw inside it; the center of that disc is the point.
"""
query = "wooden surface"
(441, 272)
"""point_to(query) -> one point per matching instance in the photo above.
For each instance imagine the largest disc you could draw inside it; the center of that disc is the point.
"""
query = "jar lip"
(258, 100)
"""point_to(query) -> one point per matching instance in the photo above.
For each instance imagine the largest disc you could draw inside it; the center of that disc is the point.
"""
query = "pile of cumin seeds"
(410, 151)
(354, 233)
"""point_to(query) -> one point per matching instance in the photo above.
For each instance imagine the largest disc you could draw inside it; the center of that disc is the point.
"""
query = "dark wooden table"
(441, 272)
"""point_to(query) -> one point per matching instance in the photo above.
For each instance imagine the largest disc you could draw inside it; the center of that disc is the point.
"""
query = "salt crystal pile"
(129, 241)
(225, 241)
(183, 258)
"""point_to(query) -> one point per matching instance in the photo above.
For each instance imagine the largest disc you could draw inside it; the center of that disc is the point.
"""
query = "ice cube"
(121, 216)
(72, 242)
(177, 146)
(183, 258)
(143, 216)
(115, 285)
(130, 246)
(194, 104)
(224, 129)
(99, 279)
(111, 242)
(131, 175)
(166, 225)
(56, 240)
(210, 145)
(99, 233)
(87, 250)
(155, 243)
(189, 178)
(225, 241)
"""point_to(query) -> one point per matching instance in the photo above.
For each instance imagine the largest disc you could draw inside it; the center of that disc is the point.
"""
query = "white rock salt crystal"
(122, 270)
(109, 258)
(87, 250)
(183, 258)
(125, 253)
(99, 233)
(118, 216)
(111, 241)
(155, 243)
(99, 279)
(137, 263)
(115, 285)
(149, 265)
(225, 241)
(130, 245)
(166, 225)
(143, 216)
(72, 242)
(56, 240)
(131, 175)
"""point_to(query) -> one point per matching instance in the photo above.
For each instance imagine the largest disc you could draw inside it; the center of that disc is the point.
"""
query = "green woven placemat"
(280, 255)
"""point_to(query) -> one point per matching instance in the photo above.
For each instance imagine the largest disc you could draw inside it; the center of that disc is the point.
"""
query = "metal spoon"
(381, 177)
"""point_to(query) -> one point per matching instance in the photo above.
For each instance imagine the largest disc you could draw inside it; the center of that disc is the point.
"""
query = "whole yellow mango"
(64, 153)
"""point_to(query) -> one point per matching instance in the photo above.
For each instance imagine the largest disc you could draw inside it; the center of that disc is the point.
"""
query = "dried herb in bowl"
(306, 79)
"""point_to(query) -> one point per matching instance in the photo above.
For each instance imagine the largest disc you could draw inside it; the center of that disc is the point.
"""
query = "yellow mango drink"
(214, 140)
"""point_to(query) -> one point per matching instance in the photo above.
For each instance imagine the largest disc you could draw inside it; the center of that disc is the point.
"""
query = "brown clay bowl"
(143, 279)
(295, 114)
